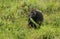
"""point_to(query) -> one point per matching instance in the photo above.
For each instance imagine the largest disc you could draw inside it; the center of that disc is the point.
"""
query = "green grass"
(14, 23)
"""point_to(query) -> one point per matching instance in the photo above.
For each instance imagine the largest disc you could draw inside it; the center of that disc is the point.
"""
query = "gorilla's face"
(32, 14)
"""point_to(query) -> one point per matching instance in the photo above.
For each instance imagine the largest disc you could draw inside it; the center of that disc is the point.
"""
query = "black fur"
(37, 17)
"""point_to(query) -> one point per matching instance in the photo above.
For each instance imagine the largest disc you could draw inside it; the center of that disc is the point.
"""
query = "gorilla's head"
(32, 14)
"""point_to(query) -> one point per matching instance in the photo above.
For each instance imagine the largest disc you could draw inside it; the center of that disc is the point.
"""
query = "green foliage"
(14, 23)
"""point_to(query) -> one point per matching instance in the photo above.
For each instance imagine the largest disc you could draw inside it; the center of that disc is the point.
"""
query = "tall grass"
(14, 23)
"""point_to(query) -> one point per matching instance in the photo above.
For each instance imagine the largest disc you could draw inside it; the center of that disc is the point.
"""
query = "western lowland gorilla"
(35, 18)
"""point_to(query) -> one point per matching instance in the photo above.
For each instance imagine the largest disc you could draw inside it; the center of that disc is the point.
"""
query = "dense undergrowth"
(13, 19)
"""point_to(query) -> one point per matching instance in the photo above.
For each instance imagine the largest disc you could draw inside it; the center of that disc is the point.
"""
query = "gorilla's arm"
(34, 22)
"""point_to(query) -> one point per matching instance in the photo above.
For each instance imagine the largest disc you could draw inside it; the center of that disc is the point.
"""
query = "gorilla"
(37, 17)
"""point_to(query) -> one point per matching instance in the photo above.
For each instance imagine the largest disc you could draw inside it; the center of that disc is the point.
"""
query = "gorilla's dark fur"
(36, 16)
